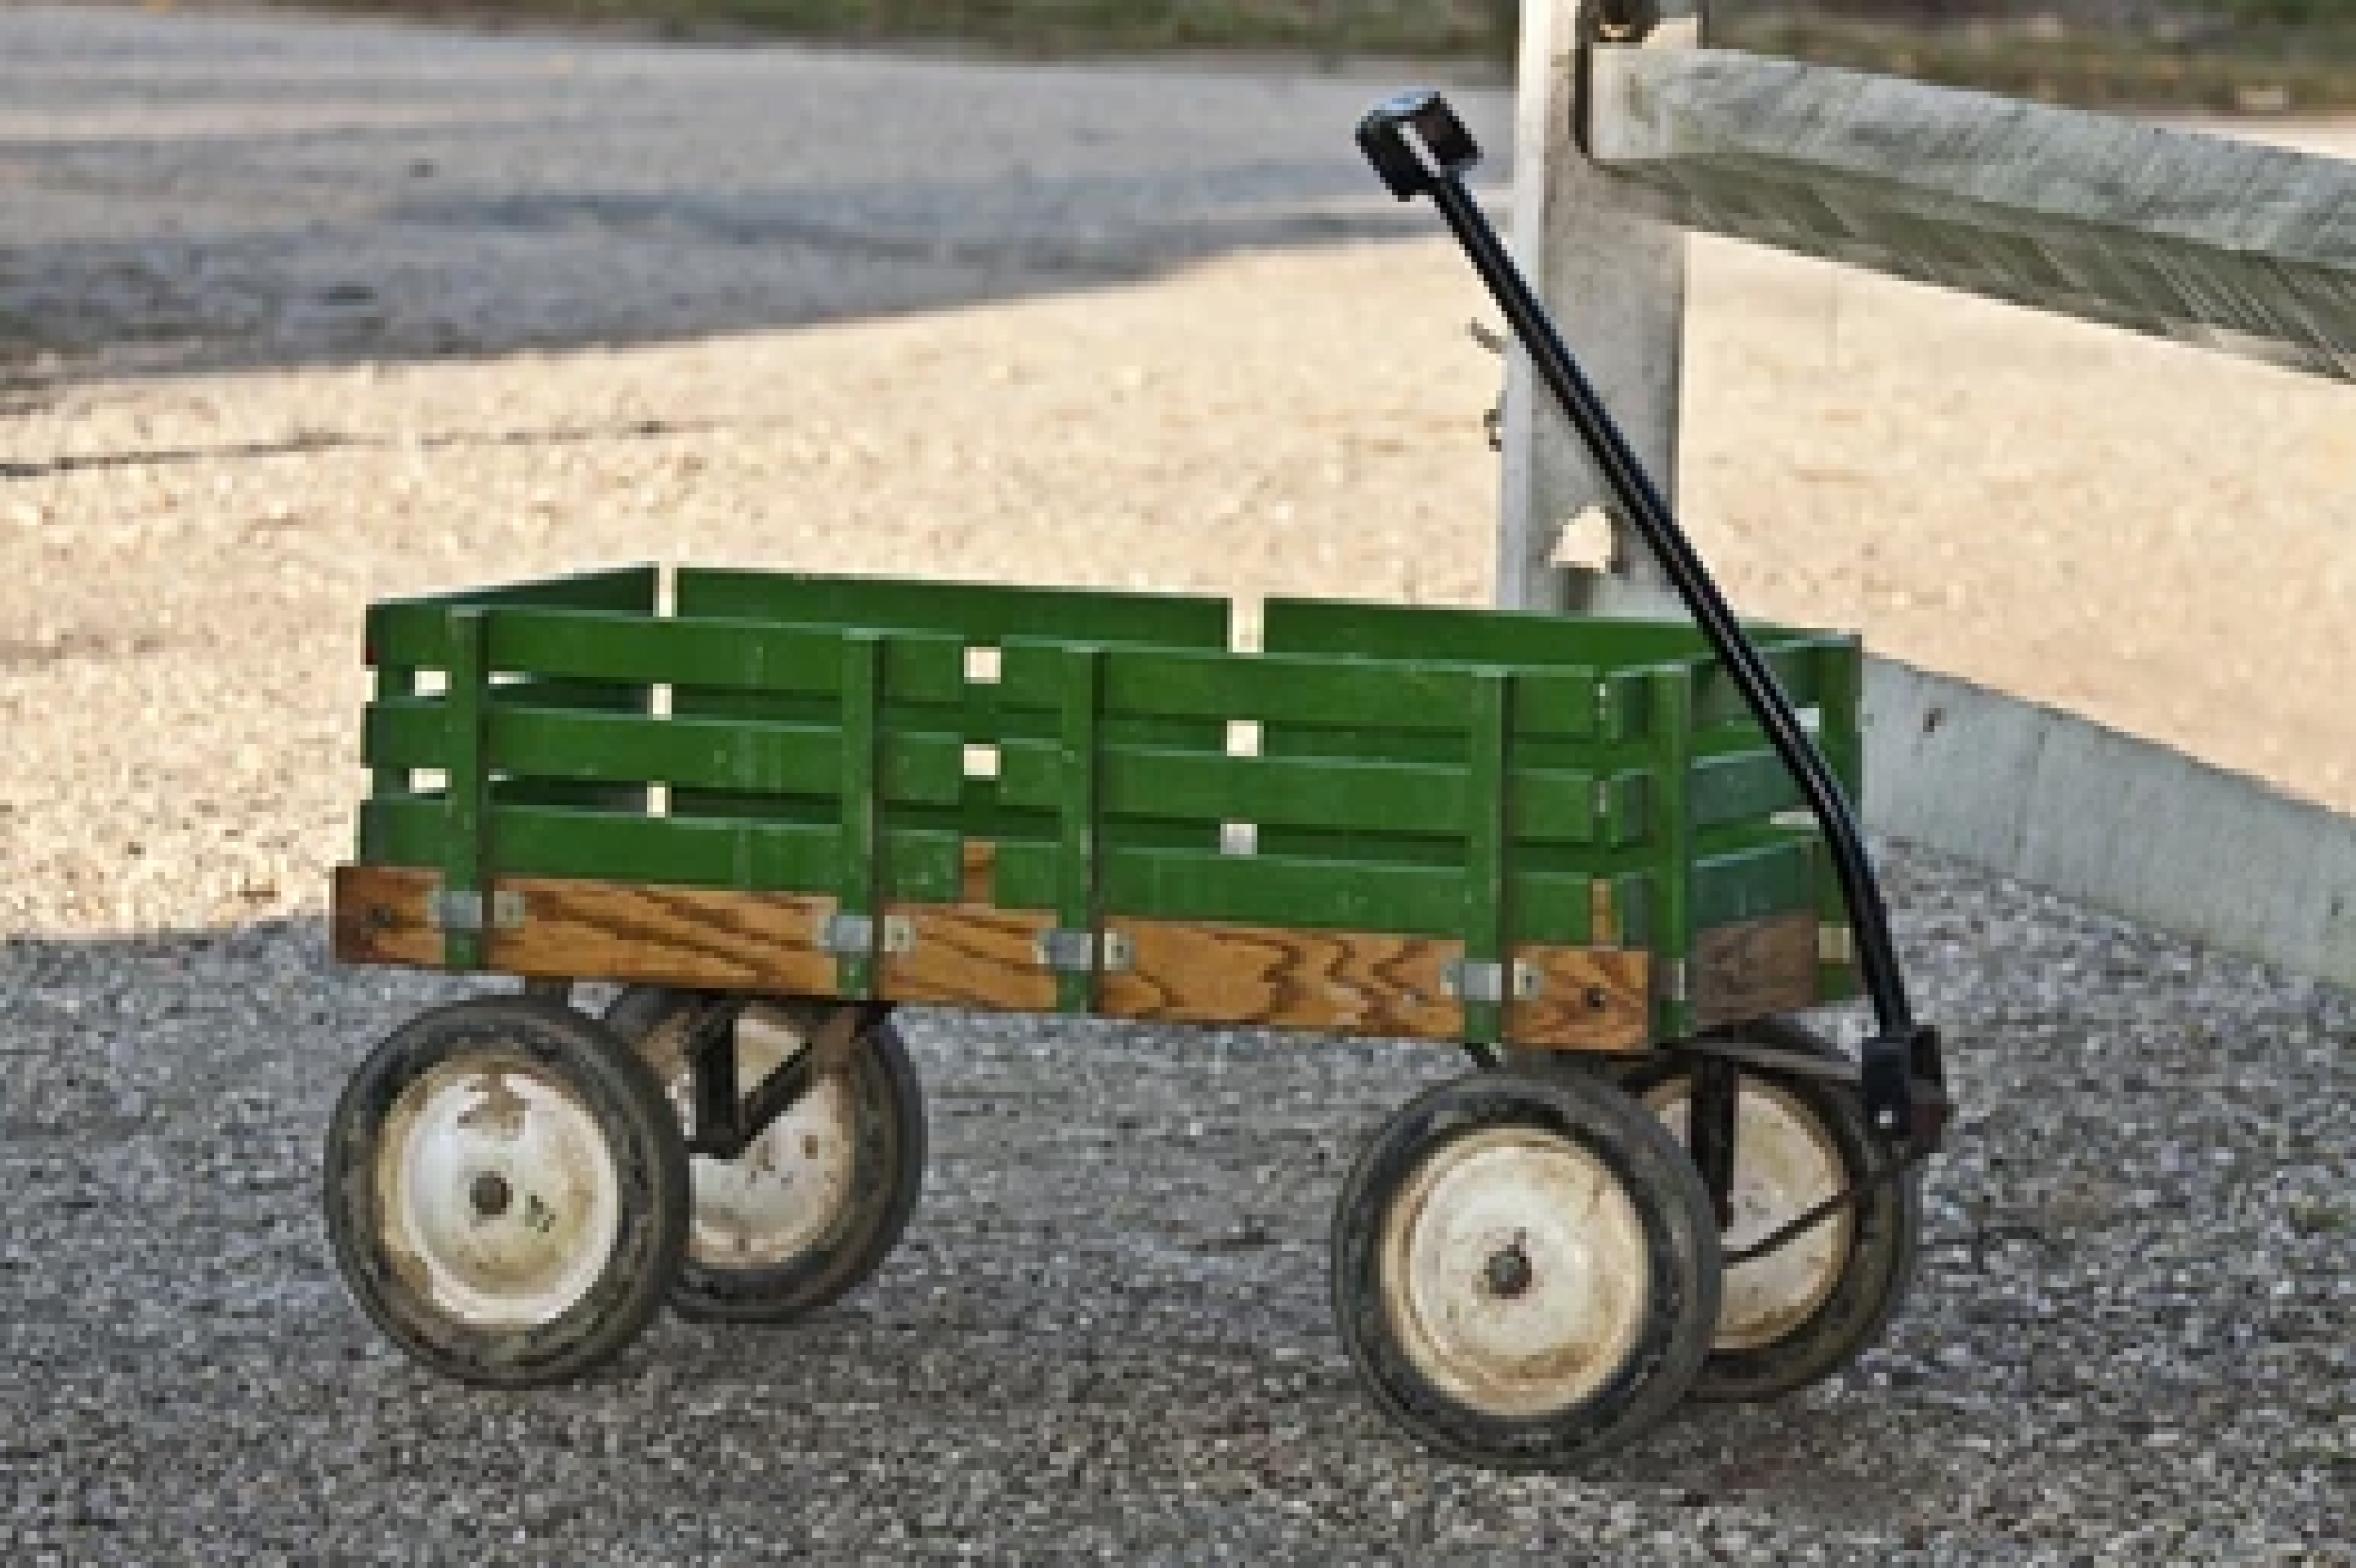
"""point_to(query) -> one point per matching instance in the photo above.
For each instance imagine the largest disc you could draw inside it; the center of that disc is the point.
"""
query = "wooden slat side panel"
(1754, 969)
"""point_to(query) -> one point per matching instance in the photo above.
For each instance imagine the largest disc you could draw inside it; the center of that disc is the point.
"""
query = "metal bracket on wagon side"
(448, 909)
(1068, 952)
(1486, 982)
(855, 934)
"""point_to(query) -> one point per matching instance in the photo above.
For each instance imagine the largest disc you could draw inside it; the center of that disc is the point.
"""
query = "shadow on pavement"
(206, 193)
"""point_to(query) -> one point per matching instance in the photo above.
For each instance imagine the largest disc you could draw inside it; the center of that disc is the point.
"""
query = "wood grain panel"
(1283, 978)
(571, 930)
(968, 955)
(1589, 999)
(972, 956)
(1359, 984)
(1754, 969)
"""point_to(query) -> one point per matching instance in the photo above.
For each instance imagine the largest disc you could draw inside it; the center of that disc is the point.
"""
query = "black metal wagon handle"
(1419, 147)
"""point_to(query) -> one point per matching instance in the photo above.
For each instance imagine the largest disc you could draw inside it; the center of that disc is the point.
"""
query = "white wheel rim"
(791, 1185)
(1515, 1270)
(1786, 1163)
(500, 1198)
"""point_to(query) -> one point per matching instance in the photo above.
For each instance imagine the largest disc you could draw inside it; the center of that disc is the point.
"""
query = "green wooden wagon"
(772, 808)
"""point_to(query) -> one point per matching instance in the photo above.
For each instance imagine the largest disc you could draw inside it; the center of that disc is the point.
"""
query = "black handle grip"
(1439, 150)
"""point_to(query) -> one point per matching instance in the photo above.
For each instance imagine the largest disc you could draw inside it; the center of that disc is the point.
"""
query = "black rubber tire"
(1885, 1241)
(1681, 1264)
(640, 1138)
(890, 1137)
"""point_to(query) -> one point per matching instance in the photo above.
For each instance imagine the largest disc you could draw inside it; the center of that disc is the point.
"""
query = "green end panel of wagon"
(408, 638)
(414, 633)
(1614, 652)
(1708, 827)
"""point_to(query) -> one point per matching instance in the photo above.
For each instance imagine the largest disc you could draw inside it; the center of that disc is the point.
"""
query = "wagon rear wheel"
(1803, 1312)
(506, 1190)
(1525, 1270)
(811, 1208)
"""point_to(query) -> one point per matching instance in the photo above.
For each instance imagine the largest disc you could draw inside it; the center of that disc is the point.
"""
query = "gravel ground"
(1115, 325)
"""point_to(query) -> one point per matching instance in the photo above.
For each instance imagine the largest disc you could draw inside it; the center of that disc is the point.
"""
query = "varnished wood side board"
(975, 955)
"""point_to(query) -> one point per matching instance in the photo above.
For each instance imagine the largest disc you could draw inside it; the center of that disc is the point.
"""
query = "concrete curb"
(2064, 803)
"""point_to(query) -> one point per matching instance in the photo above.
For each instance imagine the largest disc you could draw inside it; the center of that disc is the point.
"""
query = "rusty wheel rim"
(500, 1198)
(1516, 1272)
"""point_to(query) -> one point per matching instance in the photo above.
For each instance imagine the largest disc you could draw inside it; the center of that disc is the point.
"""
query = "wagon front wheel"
(1525, 1271)
(812, 1207)
(506, 1190)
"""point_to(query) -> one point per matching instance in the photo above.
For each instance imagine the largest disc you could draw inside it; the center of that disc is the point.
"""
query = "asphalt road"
(193, 189)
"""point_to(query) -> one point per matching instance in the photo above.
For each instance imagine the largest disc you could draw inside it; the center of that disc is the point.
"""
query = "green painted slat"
(859, 878)
(413, 631)
(1603, 647)
(1387, 630)
(727, 755)
(1774, 876)
(1343, 695)
(1737, 785)
(394, 682)
(466, 807)
(715, 655)
(1628, 815)
(1488, 842)
(1843, 741)
(595, 697)
(1270, 890)
(982, 613)
(1080, 858)
(731, 755)
(1672, 845)
(753, 856)
(1312, 792)
(1796, 664)
(1225, 687)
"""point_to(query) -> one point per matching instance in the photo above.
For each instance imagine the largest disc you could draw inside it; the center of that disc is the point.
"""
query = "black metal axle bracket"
(727, 1122)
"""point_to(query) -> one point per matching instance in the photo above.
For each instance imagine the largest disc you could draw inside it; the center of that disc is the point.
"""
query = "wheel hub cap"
(501, 1201)
(1516, 1272)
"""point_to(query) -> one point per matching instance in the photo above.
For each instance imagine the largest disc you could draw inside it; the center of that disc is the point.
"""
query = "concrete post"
(1615, 280)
